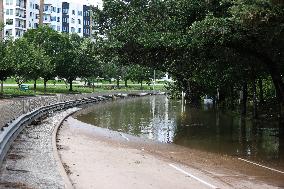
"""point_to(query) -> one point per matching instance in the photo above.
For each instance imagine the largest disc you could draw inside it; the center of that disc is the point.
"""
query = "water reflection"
(168, 121)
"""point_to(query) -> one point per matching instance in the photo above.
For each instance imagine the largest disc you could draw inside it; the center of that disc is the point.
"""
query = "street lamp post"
(41, 7)
(1, 20)
(154, 82)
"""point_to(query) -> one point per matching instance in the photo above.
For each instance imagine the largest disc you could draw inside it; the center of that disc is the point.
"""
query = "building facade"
(61, 15)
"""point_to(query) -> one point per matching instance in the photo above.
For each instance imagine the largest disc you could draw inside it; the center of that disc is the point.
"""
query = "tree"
(206, 45)
(50, 42)
(75, 60)
(140, 74)
(29, 62)
(6, 68)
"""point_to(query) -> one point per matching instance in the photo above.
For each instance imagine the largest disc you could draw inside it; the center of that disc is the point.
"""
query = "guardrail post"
(23, 104)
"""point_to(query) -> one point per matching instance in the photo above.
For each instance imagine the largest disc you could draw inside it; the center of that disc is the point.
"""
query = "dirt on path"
(99, 158)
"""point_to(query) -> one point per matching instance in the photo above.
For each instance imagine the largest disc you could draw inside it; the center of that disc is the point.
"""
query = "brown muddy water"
(169, 121)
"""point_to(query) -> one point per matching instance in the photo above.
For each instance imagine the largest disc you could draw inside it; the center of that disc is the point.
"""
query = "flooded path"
(168, 121)
(100, 158)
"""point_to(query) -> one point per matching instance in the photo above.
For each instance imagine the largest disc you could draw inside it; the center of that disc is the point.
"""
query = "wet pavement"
(203, 128)
(30, 162)
(100, 158)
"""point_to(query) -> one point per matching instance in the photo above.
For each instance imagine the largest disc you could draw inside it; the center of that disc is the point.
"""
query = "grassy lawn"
(13, 91)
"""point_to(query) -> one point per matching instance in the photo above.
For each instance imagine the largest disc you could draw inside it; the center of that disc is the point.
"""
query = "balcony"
(21, 4)
(20, 14)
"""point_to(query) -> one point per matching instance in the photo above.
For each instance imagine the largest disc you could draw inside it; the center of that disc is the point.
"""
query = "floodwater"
(169, 121)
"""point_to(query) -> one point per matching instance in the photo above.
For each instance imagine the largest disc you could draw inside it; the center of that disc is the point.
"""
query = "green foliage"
(5, 66)
(208, 46)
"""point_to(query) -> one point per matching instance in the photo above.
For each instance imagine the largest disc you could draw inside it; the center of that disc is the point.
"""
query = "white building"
(67, 16)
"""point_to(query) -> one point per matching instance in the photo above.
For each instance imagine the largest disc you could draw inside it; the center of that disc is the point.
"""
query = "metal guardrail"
(11, 130)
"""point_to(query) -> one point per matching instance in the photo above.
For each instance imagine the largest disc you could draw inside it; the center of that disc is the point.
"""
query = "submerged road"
(94, 157)
(100, 158)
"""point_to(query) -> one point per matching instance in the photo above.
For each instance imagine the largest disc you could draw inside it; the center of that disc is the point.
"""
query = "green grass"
(40, 81)
(14, 91)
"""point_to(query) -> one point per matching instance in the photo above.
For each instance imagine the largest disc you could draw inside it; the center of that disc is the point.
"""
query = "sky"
(92, 2)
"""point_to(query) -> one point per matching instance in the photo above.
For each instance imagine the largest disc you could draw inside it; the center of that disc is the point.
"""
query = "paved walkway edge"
(67, 182)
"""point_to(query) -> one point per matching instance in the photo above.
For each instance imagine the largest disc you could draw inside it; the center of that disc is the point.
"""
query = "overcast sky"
(92, 2)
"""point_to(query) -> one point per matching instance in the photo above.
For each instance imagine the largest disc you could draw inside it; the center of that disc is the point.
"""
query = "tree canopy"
(208, 46)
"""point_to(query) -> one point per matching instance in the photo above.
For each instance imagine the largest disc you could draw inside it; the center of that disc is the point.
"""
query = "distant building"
(61, 15)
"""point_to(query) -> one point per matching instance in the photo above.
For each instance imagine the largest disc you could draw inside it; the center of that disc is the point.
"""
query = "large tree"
(50, 43)
(206, 45)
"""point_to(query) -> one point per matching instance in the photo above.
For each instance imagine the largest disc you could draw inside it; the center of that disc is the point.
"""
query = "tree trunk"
(125, 83)
(279, 86)
(231, 97)
(244, 99)
(70, 85)
(141, 86)
(44, 83)
(260, 85)
(93, 85)
(255, 114)
(117, 82)
(191, 92)
(35, 87)
(2, 88)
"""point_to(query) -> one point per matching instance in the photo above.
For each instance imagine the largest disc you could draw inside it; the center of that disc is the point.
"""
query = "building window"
(73, 21)
(79, 30)
(53, 27)
(73, 12)
(66, 20)
(9, 32)
(45, 8)
(80, 13)
(53, 18)
(73, 30)
(46, 17)
(79, 21)
(9, 11)
(37, 6)
(86, 13)
(58, 28)
(65, 11)
(58, 19)
(9, 2)
(58, 10)
(9, 22)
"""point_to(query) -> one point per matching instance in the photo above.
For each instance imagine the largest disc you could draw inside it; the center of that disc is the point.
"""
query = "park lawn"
(14, 91)
(39, 81)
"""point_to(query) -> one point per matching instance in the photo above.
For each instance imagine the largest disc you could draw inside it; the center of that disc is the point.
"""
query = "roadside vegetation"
(44, 54)
(228, 50)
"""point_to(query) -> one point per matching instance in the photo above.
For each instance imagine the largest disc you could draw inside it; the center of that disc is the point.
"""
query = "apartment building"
(66, 16)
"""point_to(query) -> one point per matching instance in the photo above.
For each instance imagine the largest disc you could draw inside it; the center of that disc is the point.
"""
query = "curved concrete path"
(104, 159)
